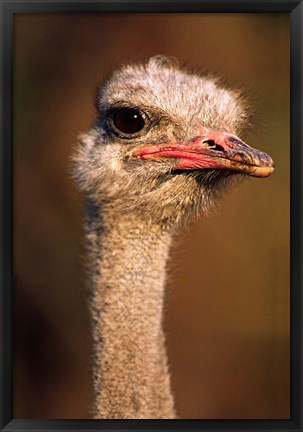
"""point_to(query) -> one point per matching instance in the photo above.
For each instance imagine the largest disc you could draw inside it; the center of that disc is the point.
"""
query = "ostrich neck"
(128, 260)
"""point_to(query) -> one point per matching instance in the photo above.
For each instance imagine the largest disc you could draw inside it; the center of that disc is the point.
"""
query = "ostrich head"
(164, 143)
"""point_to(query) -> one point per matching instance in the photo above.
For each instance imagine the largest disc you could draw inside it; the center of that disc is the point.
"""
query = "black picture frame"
(8, 9)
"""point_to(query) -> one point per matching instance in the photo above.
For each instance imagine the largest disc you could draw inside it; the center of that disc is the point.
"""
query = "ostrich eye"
(127, 120)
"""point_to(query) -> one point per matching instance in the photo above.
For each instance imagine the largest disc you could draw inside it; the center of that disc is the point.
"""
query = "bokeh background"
(227, 302)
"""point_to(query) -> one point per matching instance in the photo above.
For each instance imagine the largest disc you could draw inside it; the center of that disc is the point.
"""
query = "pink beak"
(211, 150)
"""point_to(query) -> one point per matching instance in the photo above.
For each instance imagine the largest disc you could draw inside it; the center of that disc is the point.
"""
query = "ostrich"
(163, 146)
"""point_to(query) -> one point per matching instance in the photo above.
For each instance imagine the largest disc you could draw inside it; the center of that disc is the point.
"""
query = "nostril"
(212, 145)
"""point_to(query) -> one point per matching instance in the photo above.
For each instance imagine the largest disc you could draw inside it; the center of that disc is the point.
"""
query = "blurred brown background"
(227, 313)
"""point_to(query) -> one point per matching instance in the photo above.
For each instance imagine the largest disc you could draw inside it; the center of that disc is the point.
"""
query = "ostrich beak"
(211, 150)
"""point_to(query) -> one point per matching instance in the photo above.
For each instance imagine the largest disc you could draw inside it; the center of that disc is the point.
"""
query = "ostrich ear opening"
(163, 61)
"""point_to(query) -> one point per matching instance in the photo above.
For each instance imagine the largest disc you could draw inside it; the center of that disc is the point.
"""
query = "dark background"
(227, 305)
